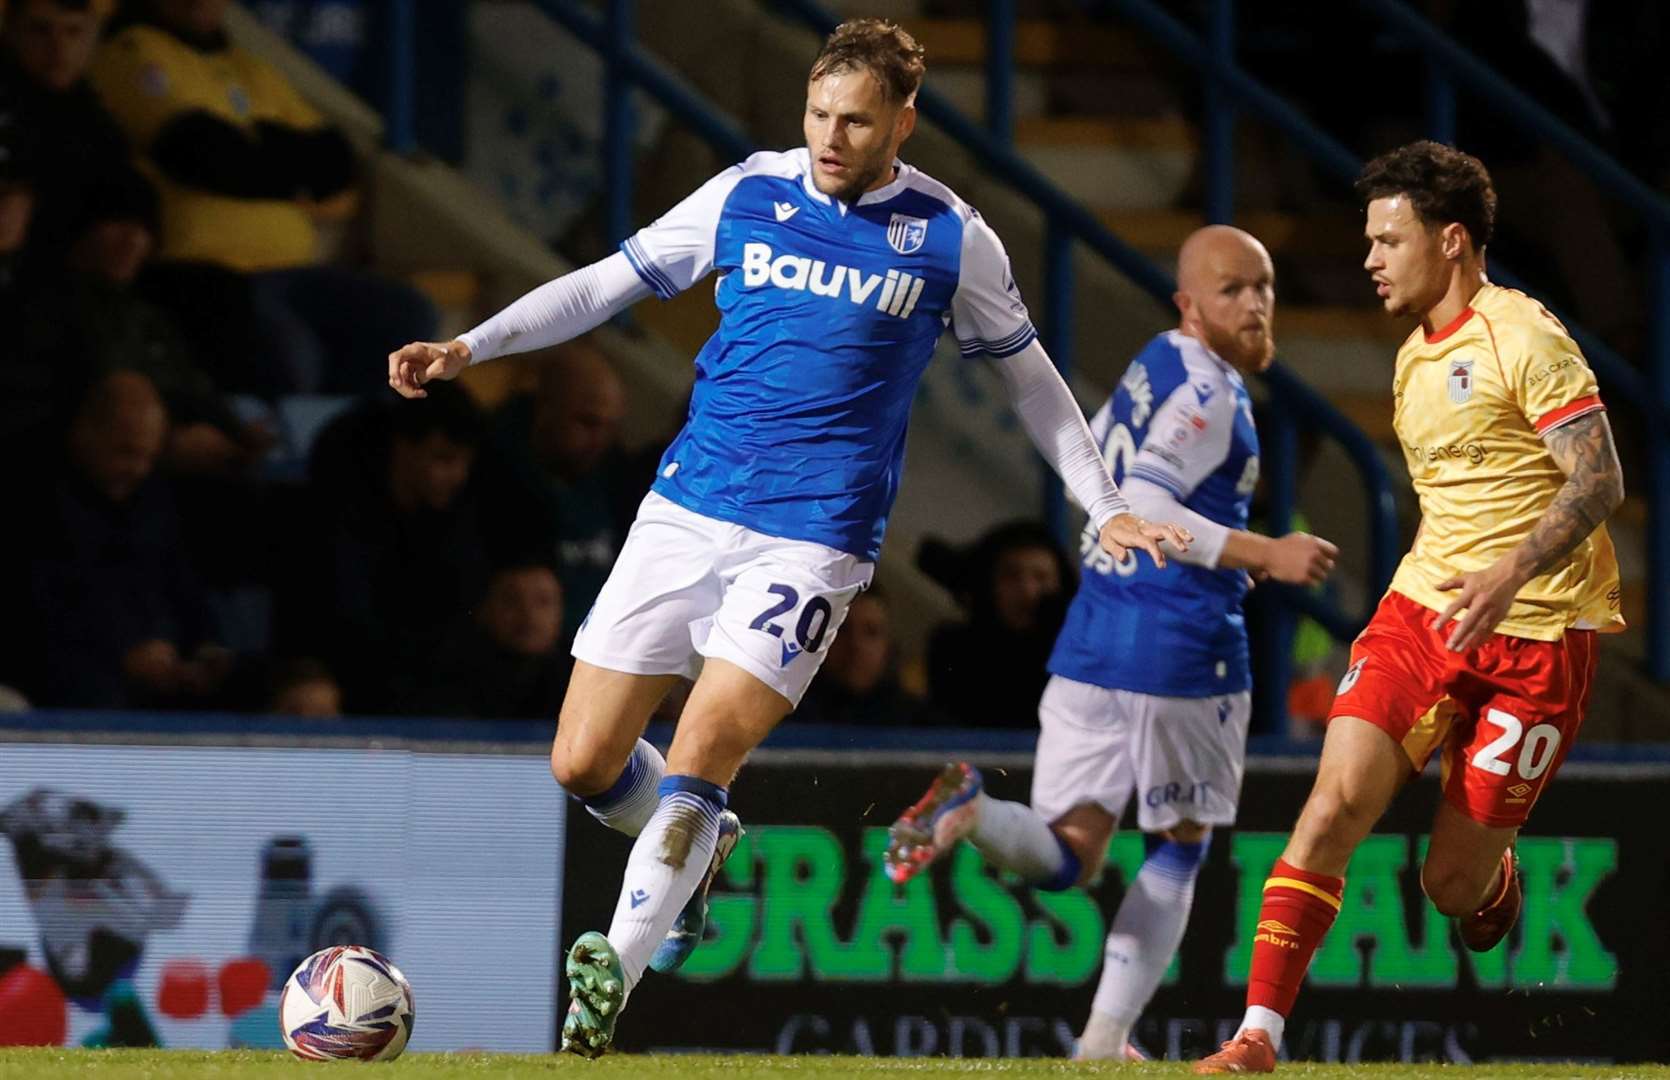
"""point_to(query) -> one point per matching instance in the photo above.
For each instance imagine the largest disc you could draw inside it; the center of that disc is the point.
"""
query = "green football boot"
(596, 995)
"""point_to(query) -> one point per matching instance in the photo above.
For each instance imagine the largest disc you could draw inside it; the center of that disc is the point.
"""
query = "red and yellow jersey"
(146, 77)
(1471, 405)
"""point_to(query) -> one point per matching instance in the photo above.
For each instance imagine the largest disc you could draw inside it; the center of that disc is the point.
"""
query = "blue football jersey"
(1181, 419)
(828, 315)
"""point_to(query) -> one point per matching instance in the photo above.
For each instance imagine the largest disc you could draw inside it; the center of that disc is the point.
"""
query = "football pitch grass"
(238, 1064)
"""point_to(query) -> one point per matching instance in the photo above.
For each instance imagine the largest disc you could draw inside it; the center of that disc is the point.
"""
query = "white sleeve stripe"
(1021, 333)
(1155, 476)
(1009, 346)
(653, 277)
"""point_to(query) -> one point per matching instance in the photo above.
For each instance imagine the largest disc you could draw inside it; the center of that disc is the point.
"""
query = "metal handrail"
(627, 65)
(1345, 166)
(1649, 395)
(1459, 64)
(1068, 220)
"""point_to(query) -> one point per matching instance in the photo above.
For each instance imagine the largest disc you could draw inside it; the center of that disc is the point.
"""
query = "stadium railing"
(610, 33)
(1229, 89)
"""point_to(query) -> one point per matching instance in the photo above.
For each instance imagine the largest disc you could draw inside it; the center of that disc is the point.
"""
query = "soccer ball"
(346, 1002)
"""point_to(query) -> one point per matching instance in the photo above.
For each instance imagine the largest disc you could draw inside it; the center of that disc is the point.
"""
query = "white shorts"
(687, 586)
(1181, 757)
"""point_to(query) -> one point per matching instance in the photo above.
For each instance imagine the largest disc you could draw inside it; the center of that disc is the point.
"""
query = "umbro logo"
(1279, 934)
(638, 897)
(785, 210)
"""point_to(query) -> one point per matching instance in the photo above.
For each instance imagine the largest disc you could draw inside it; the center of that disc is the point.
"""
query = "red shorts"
(1505, 712)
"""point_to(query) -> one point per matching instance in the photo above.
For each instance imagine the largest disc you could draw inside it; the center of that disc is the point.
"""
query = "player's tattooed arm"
(1593, 489)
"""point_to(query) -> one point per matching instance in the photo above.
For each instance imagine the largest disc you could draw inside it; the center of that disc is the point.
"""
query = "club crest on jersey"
(1461, 381)
(907, 233)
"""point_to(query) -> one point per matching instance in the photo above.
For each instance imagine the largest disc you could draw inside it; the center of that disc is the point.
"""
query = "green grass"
(239, 1064)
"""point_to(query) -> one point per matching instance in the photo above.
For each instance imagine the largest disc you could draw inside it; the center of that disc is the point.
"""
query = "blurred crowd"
(217, 504)
(213, 505)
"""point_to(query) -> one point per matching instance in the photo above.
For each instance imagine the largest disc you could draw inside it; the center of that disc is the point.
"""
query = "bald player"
(1149, 694)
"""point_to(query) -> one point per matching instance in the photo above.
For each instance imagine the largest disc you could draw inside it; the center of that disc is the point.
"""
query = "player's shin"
(1144, 937)
(666, 864)
(1016, 837)
(627, 805)
(1299, 907)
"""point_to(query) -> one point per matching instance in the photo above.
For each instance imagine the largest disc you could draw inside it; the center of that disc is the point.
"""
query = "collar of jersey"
(1226, 368)
(880, 194)
(1449, 330)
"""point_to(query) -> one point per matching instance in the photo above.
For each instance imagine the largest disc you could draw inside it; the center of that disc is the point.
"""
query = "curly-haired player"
(1484, 649)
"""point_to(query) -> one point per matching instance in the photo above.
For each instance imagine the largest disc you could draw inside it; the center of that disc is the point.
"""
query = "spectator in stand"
(25, 419)
(102, 609)
(244, 166)
(85, 319)
(507, 661)
(345, 37)
(563, 448)
(858, 683)
(18, 159)
(1014, 583)
(46, 50)
(395, 508)
(302, 687)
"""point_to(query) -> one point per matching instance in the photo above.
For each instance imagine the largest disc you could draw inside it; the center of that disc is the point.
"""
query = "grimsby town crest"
(1461, 381)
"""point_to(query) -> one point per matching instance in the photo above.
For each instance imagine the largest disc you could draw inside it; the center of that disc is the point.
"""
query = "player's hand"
(412, 365)
(1300, 559)
(1485, 595)
(1125, 531)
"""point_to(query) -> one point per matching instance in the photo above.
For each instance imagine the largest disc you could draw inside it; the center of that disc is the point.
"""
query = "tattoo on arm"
(1593, 489)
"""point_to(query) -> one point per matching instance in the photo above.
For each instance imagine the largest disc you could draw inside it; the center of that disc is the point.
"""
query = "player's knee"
(1085, 831)
(583, 770)
(1452, 891)
(1088, 850)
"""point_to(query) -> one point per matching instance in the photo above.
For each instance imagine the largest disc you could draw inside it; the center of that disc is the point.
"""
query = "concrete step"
(1163, 132)
(1041, 43)
(1159, 232)
(1117, 163)
(902, 10)
(965, 87)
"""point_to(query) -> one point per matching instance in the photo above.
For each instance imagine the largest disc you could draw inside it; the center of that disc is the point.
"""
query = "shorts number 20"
(814, 617)
(1536, 753)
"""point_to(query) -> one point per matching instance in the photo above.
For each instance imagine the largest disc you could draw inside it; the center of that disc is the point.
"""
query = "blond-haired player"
(1484, 649)
(839, 267)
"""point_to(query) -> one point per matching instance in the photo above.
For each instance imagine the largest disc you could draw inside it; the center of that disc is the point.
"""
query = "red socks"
(1299, 907)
